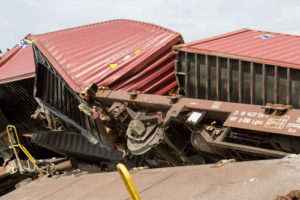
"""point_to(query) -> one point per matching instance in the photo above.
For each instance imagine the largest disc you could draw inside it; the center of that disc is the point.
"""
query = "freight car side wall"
(59, 99)
(209, 77)
(17, 104)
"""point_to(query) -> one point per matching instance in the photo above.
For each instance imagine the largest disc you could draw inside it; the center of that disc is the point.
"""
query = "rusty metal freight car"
(179, 131)
(175, 130)
(122, 54)
(245, 66)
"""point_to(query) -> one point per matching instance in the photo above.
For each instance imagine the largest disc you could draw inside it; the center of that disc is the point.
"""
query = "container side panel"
(282, 86)
(235, 80)
(258, 84)
(270, 83)
(202, 70)
(213, 77)
(223, 84)
(246, 66)
(295, 87)
(190, 75)
(246, 82)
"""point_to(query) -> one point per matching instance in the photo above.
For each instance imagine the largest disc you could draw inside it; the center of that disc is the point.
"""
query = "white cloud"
(195, 19)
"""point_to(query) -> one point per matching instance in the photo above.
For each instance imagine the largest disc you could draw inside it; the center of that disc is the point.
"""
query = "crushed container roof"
(121, 54)
(251, 45)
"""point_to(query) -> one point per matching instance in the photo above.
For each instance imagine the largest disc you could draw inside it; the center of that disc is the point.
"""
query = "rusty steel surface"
(251, 45)
(244, 116)
(255, 119)
(270, 179)
(122, 54)
(214, 128)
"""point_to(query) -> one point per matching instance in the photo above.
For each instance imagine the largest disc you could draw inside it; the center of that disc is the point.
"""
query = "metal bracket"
(160, 119)
(279, 109)
(175, 49)
(175, 98)
(89, 92)
(134, 93)
(121, 109)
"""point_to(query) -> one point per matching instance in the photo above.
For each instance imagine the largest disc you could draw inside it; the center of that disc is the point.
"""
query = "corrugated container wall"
(245, 66)
(120, 54)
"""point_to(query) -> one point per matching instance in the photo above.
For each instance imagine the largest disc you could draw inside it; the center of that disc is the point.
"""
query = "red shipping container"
(120, 54)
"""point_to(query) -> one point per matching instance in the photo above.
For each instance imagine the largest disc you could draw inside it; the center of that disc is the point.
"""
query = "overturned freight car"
(121, 54)
(164, 131)
(172, 131)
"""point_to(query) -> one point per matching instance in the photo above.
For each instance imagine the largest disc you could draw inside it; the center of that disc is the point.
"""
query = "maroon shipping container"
(121, 54)
(246, 66)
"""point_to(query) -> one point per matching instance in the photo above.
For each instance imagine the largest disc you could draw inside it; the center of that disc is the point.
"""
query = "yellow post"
(133, 193)
(18, 144)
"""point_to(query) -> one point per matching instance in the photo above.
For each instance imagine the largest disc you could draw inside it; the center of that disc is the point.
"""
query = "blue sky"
(194, 19)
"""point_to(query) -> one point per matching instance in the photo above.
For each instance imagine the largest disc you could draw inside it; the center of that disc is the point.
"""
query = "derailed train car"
(153, 129)
(82, 93)
(244, 66)
(122, 54)
(165, 131)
